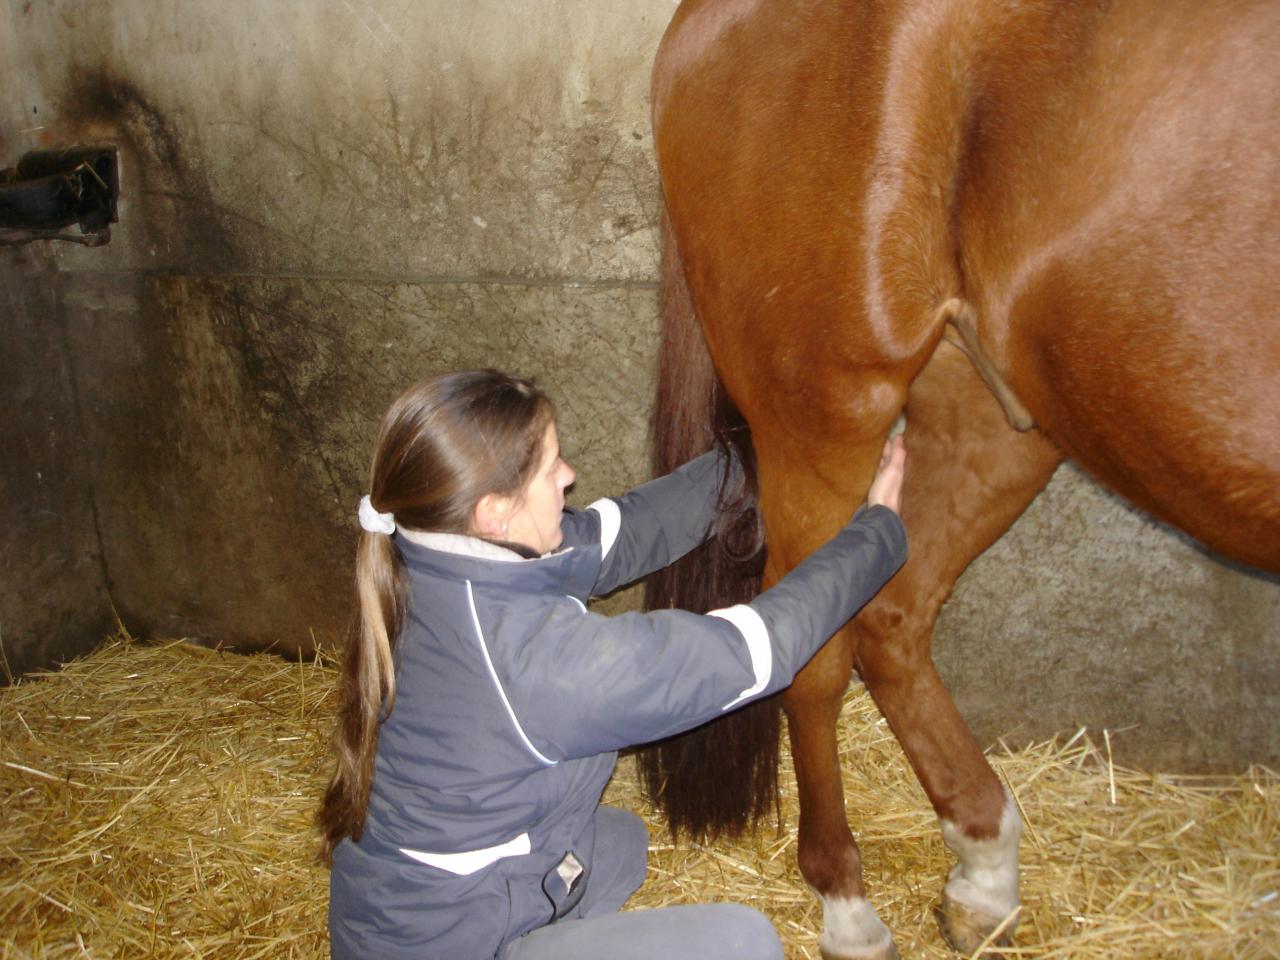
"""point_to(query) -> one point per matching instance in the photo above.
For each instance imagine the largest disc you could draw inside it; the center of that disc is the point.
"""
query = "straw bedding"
(156, 800)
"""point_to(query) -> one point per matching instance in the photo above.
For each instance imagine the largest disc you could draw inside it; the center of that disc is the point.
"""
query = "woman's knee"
(624, 825)
(749, 934)
(618, 862)
(623, 837)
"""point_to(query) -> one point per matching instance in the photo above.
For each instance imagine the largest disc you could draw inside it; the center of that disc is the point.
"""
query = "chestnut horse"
(1039, 229)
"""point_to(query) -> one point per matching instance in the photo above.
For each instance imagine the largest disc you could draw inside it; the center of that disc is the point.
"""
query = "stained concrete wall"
(323, 202)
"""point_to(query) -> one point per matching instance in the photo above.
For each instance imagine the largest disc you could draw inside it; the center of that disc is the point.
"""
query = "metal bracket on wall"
(49, 190)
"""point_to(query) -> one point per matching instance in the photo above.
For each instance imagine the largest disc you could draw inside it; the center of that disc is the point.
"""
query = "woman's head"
(458, 453)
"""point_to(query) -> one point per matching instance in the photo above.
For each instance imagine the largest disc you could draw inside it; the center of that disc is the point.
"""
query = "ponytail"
(368, 689)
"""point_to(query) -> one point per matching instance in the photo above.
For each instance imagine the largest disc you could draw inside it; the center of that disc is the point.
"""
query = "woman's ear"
(492, 514)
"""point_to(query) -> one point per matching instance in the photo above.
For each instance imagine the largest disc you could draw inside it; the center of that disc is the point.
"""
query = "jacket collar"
(462, 546)
(572, 571)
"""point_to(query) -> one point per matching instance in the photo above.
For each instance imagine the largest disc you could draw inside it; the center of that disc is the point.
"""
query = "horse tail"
(723, 776)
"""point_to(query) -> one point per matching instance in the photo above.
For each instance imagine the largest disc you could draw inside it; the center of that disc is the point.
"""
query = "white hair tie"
(373, 521)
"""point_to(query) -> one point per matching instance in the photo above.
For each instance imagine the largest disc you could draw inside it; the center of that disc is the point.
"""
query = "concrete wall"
(323, 202)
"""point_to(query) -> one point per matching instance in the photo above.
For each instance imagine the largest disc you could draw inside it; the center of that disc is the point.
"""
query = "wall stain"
(175, 201)
(256, 366)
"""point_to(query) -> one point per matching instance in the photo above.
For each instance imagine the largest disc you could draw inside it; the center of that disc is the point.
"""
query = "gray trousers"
(596, 929)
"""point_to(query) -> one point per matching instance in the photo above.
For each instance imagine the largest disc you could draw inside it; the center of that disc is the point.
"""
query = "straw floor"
(156, 799)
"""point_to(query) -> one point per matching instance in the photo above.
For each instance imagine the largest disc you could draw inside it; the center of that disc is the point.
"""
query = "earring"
(504, 528)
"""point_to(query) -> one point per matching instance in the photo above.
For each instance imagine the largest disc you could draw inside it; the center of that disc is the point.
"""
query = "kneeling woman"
(482, 703)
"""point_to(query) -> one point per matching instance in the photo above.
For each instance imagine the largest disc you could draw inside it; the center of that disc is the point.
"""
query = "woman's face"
(534, 520)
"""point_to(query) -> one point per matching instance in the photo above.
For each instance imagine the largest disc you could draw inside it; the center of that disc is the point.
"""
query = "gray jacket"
(512, 699)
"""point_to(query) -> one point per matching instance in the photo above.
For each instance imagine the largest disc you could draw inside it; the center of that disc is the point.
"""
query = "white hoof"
(981, 893)
(851, 930)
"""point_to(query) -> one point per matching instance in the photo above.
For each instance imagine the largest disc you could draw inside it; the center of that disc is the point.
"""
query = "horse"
(1039, 230)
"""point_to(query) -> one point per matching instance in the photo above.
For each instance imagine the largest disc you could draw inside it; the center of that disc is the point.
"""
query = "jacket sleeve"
(587, 684)
(656, 523)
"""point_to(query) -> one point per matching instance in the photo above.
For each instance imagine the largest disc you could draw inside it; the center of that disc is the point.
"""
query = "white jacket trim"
(493, 674)
(469, 861)
(752, 627)
(460, 545)
(610, 523)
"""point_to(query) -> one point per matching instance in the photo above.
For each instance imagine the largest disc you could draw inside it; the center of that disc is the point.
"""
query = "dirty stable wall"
(322, 202)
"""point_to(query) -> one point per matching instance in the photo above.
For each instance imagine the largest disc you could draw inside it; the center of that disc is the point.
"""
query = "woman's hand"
(886, 485)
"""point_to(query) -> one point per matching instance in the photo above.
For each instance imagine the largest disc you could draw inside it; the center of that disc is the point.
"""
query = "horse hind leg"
(811, 481)
(969, 476)
(828, 855)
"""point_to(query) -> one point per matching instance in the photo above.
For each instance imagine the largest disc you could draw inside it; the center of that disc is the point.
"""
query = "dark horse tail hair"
(720, 778)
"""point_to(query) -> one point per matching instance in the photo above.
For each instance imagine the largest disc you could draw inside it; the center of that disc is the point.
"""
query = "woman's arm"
(589, 683)
(656, 523)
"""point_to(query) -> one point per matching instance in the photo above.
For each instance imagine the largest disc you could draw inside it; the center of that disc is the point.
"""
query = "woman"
(482, 703)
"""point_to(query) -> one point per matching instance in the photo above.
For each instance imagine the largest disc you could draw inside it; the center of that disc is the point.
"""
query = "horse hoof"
(889, 952)
(966, 929)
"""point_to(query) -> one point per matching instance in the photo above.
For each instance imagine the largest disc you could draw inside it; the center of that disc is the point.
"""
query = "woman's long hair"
(445, 443)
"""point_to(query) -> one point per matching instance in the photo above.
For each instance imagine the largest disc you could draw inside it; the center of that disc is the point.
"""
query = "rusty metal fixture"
(50, 190)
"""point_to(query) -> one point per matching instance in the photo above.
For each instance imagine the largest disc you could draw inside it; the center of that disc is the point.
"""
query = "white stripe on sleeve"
(610, 523)
(756, 634)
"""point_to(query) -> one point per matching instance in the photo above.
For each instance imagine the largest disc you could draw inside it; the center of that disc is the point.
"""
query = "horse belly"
(1127, 291)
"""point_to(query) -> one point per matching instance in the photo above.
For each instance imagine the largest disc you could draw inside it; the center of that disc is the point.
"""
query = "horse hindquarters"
(820, 304)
